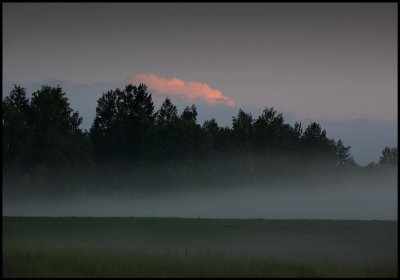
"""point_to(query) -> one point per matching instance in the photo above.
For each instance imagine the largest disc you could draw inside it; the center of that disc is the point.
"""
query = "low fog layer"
(356, 202)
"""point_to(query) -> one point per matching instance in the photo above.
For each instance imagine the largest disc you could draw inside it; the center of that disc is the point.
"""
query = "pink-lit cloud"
(190, 90)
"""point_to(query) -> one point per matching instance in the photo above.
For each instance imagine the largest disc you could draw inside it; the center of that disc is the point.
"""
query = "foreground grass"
(171, 247)
(88, 263)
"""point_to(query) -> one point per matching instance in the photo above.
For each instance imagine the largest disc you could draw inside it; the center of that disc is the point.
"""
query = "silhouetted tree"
(190, 137)
(189, 114)
(343, 154)
(57, 138)
(242, 135)
(104, 128)
(242, 129)
(296, 137)
(212, 135)
(163, 136)
(389, 157)
(124, 119)
(142, 121)
(16, 127)
(271, 134)
(317, 147)
(167, 113)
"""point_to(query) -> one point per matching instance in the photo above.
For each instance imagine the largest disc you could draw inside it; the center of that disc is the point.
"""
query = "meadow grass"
(86, 263)
(171, 247)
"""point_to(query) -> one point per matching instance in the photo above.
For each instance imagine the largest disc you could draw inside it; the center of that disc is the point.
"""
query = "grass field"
(140, 247)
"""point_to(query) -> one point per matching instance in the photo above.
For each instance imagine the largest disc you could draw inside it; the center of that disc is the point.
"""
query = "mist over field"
(363, 202)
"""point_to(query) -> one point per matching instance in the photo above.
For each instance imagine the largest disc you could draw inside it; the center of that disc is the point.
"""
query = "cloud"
(190, 90)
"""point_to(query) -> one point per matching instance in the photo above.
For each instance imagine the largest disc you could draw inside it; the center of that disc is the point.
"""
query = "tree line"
(42, 139)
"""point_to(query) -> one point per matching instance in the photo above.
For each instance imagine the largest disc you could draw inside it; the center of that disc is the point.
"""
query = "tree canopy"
(43, 132)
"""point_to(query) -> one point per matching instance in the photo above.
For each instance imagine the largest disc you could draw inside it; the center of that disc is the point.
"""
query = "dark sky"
(335, 61)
